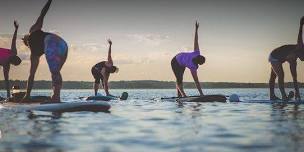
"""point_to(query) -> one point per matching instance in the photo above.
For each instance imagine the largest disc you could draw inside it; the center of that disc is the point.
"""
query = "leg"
(96, 87)
(177, 91)
(56, 54)
(178, 72)
(273, 76)
(6, 69)
(57, 85)
(278, 69)
(30, 82)
(180, 88)
(96, 76)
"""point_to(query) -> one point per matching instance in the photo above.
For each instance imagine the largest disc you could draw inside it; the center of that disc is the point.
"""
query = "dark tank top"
(282, 52)
(36, 42)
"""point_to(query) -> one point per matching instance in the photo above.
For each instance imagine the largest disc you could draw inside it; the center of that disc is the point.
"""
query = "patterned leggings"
(56, 52)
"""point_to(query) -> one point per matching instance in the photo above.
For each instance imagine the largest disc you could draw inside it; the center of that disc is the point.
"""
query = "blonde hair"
(25, 39)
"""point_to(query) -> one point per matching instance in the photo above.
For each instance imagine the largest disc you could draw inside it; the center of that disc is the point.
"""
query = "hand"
(26, 98)
(196, 25)
(16, 24)
(109, 41)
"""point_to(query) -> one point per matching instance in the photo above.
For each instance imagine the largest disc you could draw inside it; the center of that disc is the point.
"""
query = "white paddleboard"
(273, 101)
(98, 106)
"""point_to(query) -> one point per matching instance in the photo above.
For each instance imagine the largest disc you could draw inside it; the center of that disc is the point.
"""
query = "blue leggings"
(56, 52)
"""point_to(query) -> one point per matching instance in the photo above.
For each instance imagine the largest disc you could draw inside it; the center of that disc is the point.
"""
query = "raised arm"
(300, 36)
(196, 45)
(13, 47)
(39, 23)
(110, 52)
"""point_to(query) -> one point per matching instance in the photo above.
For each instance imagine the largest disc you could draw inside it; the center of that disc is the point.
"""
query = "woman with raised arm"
(190, 60)
(286, 53)
(55, 50)
(9, 56)
(102, 70)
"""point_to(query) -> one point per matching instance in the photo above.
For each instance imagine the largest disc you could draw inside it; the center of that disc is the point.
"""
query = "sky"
(235, 36)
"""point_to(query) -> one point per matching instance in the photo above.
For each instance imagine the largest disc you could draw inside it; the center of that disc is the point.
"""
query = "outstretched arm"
(110, 52)
(197, 83)
(300, 36)
(39, 23)
(196, 45)
(13, 47)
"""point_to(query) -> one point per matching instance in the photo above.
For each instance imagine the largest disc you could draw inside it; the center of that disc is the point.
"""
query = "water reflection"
(140, 124)
(288, 126)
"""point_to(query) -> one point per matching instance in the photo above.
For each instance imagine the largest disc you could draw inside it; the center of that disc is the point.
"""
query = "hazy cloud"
(149, 39)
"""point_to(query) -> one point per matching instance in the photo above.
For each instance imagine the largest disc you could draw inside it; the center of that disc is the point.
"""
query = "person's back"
(99, 65)
(186, 59)
(5, 55)
(282, 52)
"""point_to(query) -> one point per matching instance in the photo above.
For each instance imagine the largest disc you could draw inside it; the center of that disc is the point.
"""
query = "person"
(190, 60)
(286, 53)
(102, 71)
(55, 50)
(8, 57)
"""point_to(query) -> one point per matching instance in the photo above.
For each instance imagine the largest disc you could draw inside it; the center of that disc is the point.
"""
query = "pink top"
(185, 59)
(5, 54)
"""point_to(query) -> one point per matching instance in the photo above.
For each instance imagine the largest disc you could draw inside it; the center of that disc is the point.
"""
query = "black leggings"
(178, 70)
(97, 76)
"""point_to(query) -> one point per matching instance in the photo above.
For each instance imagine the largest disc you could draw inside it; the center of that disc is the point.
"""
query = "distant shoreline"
(142, 84)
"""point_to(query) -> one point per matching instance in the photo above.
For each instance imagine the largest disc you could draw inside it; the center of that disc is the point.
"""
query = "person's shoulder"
(198, 52)
(287, 47)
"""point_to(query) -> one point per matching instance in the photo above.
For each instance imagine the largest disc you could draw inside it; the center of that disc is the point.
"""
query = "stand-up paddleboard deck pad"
(35, 105)
(206, 98)
(124, 96)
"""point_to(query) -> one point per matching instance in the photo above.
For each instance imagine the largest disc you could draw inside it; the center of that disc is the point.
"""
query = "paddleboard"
(271, 101)
(124, 96)
(234, 98)
(206, 98)
(32, 99)
(97, 106)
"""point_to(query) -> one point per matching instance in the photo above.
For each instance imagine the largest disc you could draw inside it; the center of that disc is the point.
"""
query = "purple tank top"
(5, 54)
(185, 59)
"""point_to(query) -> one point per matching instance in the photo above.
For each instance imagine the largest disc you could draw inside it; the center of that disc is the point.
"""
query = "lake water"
(145, 123)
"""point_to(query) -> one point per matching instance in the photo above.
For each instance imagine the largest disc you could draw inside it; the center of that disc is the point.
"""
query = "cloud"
(149, 39)
(88, 47)
(10, 36)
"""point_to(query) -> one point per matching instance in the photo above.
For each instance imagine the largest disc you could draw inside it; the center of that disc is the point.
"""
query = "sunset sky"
(235, 36)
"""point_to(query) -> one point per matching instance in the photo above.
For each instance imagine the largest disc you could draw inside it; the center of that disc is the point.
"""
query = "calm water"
(144, 123)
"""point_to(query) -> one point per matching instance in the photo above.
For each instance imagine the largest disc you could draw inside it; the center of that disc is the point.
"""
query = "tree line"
(141, 84)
